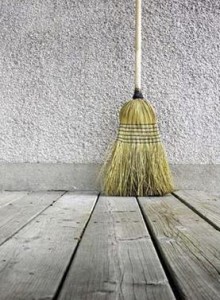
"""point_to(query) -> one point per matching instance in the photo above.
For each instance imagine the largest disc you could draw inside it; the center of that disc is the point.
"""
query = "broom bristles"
(137, 164)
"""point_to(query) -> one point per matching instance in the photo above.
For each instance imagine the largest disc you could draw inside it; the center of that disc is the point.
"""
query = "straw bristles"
(137, 163)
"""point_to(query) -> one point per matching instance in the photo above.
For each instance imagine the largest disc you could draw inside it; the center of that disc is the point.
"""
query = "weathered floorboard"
(206, 204)
(116, 258)
(33, 261)
(9, 197)
(18, 213)
(190, 246)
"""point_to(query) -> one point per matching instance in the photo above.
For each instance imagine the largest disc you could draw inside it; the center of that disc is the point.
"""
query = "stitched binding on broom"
(139, 133)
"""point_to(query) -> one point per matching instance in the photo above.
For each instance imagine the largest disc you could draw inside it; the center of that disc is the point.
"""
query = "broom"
(137, 164)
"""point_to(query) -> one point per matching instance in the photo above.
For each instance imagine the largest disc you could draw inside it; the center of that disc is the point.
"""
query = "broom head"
(136, 164)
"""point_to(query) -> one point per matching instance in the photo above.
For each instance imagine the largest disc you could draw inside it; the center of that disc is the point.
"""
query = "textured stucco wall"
(66, 67)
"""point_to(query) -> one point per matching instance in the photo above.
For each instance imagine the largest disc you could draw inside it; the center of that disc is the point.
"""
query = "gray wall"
(66, 67)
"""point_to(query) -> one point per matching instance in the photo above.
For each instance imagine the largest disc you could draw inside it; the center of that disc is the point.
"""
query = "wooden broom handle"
(138, 45)
(137, 91)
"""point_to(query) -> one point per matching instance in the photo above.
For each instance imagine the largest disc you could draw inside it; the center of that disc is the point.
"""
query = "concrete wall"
(66, 67)
(62, 176)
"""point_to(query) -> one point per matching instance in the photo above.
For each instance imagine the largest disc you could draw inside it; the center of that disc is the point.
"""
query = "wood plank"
(190, 246)
(18, 213)
(116, 258)
(9, 197)
(33, 262)
(206, 204)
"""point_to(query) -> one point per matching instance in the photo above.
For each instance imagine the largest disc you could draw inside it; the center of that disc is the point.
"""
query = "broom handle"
(137, 92)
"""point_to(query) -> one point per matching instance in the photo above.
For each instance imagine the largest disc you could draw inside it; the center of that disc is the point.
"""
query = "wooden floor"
(79, 245)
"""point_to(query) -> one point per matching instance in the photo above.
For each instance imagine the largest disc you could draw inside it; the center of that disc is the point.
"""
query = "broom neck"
(137, 92)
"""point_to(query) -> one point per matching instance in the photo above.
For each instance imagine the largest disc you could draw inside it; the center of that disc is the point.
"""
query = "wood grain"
(32, 263)
(9, 197)
(190, 246)
(18, 213)
(204, 203)
(116, 258)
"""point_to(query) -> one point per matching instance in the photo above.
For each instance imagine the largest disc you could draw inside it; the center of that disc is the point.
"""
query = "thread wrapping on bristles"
(138, 133)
